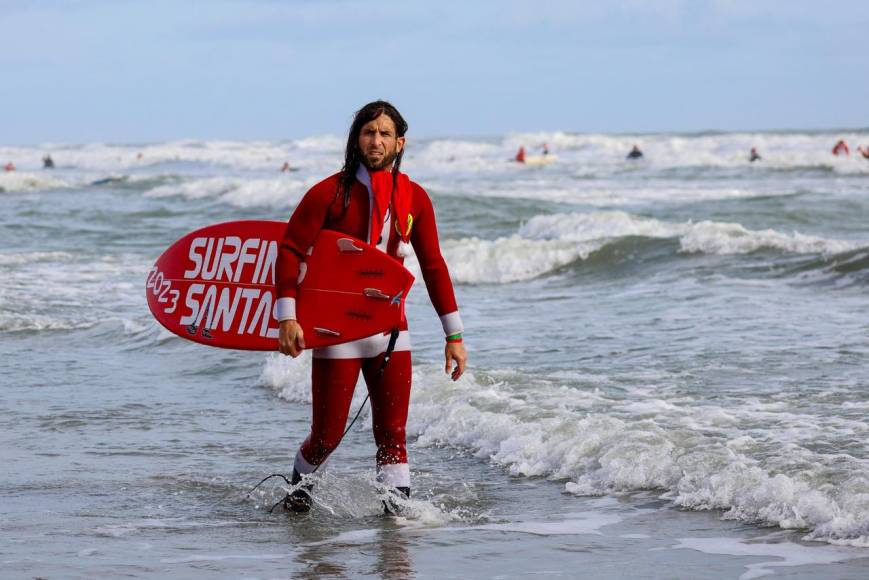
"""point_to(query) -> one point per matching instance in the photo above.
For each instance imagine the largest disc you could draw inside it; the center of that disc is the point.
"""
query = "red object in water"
(841, 148)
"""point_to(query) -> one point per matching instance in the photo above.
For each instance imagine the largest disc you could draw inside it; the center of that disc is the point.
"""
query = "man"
(635, 153)
(370, 200)
(841, 148)
(753, 155)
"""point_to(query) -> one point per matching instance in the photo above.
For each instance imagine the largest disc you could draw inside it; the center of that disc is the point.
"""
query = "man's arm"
(302, 229)
(424, 237)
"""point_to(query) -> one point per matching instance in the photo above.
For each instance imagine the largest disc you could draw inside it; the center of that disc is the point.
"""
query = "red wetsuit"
(336, 369)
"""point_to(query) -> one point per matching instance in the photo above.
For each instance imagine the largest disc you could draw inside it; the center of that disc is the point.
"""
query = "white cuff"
(286, 309)
(452, 323)
(301, 464)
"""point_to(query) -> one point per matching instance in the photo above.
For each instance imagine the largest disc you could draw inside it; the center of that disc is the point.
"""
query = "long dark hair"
(351, 155)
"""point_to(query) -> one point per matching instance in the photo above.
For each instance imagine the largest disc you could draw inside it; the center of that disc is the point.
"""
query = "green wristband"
(455, 336)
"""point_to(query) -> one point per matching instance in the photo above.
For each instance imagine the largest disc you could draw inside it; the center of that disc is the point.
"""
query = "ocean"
(667, 367)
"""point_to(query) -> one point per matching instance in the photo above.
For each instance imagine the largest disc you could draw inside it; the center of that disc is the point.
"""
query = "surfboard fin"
(346, 246)
(375, 293)
(327, 331)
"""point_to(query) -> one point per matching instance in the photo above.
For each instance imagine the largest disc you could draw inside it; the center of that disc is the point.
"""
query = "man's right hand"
(291, 339)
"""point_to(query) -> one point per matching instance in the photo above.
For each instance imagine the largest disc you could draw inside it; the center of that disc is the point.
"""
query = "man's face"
(378, 143)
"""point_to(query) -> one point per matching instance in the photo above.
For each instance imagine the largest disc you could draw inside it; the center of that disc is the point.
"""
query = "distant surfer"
(286, 167)
(47, 162)
(545, 149)
(863, 152)
(9, 167)
(370, 200)
(110, 180)
(520, 155)
(754, 155)
(635, 153)
(841, 148)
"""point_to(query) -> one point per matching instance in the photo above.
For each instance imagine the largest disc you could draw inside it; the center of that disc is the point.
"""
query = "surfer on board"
(635, 153)
(520, 155)
(753, 155)
(841, 148)
(370, 200)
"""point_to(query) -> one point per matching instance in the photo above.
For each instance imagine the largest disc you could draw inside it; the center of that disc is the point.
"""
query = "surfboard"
(539, 160)
(215, 286)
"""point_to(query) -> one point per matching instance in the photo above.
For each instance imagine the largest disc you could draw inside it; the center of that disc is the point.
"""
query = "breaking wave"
(548, 242)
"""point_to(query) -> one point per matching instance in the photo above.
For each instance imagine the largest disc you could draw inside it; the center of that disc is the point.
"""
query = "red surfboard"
(216, 286)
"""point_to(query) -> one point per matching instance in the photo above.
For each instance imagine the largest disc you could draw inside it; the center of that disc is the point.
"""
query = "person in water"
(9, 167)
(545, 149)
(372, 200)
(635, 153)
(47, 162)
(754, 155)
(841, 148)
(520, 155)
(863, 152)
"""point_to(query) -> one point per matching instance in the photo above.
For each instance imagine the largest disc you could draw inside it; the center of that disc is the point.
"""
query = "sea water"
(668, 368)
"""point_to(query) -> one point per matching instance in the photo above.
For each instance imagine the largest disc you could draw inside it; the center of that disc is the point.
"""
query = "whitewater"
(667, 367)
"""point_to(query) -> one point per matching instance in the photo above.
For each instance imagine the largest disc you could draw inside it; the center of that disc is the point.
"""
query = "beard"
(376, 164)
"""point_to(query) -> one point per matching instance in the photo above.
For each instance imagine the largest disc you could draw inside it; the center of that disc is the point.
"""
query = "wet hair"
(352, 157)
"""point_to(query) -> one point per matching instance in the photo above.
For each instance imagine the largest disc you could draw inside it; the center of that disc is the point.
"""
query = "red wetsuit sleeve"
(424, 238)
(302, 229)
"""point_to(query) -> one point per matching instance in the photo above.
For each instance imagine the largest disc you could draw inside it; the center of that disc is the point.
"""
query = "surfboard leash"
(393, 339)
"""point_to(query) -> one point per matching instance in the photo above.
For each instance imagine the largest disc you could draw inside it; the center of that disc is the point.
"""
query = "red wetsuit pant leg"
(390, 397)
(333, 382)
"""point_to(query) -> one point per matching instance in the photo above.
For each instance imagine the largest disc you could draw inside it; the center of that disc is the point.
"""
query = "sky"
(134, 71)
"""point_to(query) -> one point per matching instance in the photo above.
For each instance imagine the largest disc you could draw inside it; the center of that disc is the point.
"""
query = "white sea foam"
(22, 181)
(59, 290)
(474, 261)
(277, 192)
(548, 242)
(290, 378)
(602, 445)
(787, 554)
(576, 524)
(259, 155)
(728, 238)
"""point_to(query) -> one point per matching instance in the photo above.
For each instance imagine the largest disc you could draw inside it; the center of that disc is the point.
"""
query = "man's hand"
(291, 339)
(455, 351)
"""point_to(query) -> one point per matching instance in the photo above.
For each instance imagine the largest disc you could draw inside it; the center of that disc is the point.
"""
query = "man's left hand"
(455, 352)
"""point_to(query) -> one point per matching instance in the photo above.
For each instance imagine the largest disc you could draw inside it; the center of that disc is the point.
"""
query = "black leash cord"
(393, 338)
